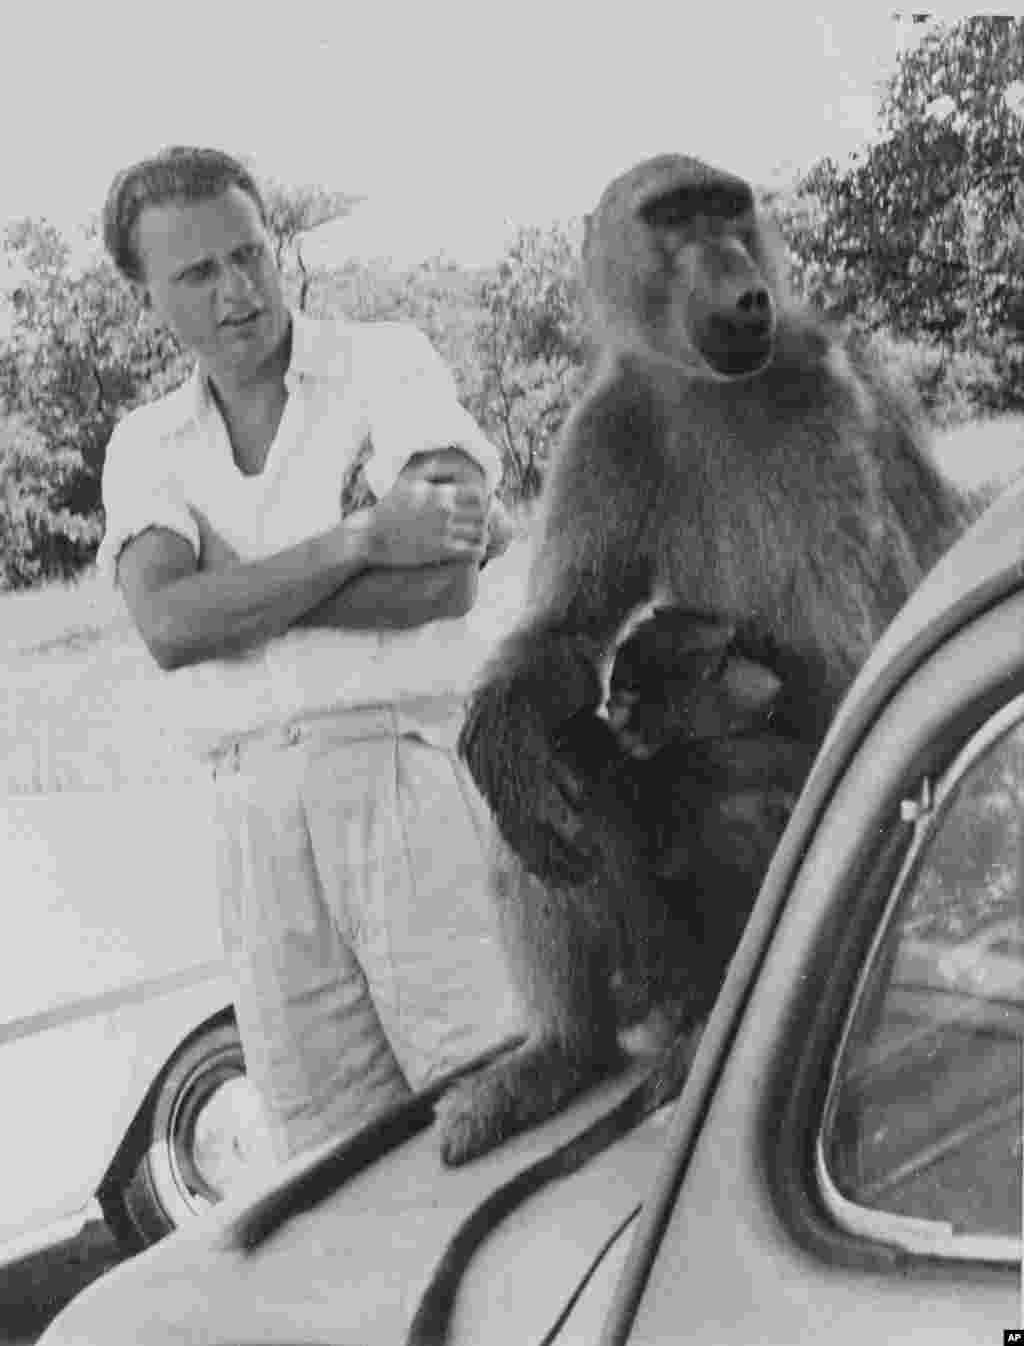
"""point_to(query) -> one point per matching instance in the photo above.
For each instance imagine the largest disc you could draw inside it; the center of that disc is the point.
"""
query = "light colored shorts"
(354, 863)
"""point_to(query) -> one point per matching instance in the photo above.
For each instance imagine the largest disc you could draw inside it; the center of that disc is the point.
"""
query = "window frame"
(916, 1236)
(792, 1107)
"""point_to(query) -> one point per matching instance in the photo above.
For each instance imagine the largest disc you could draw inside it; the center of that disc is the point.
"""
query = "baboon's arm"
(591, 569)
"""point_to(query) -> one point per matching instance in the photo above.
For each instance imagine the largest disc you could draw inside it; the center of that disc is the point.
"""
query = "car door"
(845, 1163)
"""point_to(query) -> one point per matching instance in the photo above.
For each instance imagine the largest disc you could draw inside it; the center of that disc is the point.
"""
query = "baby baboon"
(730, 455)
(679, 794)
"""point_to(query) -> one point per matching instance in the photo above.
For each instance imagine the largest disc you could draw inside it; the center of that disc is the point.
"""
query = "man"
(333, 651)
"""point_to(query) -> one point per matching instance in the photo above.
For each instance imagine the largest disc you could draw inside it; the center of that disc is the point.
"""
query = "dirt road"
(34, 1290)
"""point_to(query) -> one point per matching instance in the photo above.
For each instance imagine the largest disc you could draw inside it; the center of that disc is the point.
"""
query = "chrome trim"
(22, 1245)
(105, 1002)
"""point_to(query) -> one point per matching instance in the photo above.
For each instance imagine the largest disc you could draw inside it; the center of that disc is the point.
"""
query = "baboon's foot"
(483, 1110)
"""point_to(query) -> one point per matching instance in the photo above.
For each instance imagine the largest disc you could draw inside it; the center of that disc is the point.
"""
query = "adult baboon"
(705, 756)
(732, 456)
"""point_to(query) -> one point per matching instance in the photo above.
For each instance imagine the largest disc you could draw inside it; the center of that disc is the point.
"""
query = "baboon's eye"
(669, 213)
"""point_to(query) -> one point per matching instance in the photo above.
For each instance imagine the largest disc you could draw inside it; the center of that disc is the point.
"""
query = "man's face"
(211, 278)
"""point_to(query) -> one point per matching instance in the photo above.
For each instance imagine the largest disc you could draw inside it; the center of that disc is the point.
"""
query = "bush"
(953, 387)
(529, 349)
(923, 233)
(40, 538)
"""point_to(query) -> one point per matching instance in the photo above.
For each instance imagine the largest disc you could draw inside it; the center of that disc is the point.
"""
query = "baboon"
(730, 455)
(701, 744)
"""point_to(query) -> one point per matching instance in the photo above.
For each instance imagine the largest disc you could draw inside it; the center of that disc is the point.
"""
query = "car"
(122, 1072)
(844, 1161)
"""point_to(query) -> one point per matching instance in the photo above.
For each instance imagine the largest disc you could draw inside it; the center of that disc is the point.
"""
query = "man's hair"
(177, 174)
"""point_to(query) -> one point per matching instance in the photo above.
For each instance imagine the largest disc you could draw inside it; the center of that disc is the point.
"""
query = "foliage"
(951, 386)
(924, 233)
(291, 212)
(40, 536)
(530, 349)
(81, 349)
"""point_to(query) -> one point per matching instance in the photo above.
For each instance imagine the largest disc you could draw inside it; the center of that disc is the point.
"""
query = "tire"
(199, 1134)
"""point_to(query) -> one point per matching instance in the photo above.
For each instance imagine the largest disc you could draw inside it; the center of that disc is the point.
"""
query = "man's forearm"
(398, 598)
(220, 611)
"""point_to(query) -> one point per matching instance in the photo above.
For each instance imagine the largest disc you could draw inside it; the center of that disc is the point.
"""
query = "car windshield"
(921, 1139)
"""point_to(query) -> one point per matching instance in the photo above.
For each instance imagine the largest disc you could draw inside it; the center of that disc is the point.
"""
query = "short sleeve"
(414, 408)
(138, 494)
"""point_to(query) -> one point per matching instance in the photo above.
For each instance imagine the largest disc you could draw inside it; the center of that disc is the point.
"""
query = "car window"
(921, 1138)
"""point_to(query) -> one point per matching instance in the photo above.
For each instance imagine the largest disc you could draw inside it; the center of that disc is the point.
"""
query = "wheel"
(200, 1134)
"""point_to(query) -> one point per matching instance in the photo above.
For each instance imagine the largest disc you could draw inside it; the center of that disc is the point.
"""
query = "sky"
(456, 120)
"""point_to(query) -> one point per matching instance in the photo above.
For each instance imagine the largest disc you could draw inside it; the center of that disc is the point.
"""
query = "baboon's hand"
(591, 802)
(537, 788)
(537, 798)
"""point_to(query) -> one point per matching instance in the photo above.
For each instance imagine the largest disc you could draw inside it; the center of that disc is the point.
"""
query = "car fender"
(162, 1026)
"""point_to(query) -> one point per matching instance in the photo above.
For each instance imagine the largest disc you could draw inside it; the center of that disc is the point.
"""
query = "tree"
(40, 537)
(924, 233)
(530, 350)
(81, 350)
(291, 212)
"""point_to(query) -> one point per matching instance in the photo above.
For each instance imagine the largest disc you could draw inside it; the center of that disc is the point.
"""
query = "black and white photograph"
(512, 656)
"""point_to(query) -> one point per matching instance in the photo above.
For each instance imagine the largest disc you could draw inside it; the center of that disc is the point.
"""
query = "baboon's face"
(676, 261)
(718, 301)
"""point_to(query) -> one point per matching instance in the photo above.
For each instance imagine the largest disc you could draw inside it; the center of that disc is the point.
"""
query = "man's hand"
(458, 467)
(436, 511)
(453, 465)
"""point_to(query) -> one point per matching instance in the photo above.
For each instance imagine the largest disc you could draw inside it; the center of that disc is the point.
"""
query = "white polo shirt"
(359, 394)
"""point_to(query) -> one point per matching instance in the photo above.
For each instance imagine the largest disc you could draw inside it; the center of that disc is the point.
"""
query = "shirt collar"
(302, 361)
